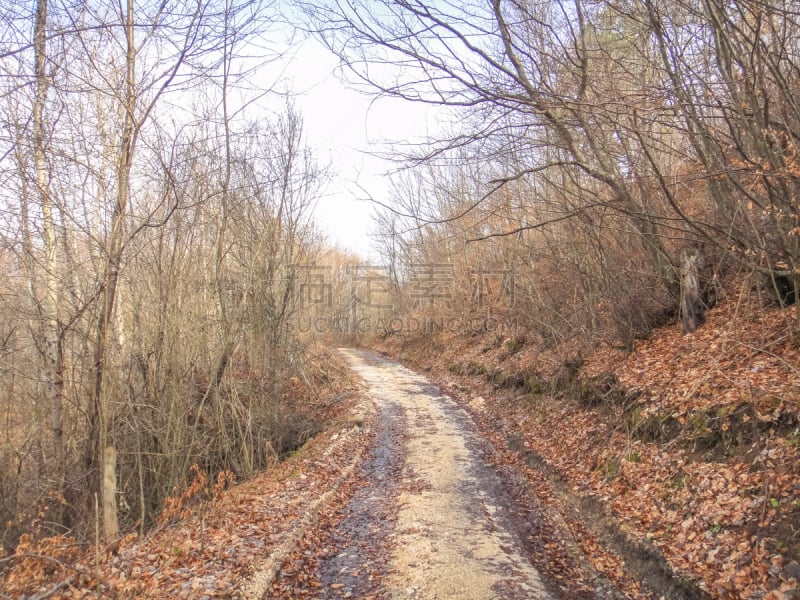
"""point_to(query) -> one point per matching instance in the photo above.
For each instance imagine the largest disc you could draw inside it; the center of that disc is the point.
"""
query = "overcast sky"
(343, 126)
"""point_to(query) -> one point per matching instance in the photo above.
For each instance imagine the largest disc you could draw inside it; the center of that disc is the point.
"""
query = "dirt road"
(452, 534)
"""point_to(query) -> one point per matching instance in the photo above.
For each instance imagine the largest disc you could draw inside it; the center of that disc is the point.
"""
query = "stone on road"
(453, 537)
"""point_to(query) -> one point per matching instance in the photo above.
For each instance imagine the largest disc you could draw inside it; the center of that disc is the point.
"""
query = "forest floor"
(213, 539)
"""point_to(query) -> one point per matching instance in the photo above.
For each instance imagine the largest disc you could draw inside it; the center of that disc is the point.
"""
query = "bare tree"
(622, 107)
(735, 84)
(97, 81)
(527, 73)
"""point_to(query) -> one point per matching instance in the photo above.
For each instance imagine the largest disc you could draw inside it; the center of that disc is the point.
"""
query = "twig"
(97, 540)
(53, 589)
(763, 350)
(38, 556)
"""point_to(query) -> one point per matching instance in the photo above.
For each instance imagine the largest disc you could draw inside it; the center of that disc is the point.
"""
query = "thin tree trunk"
(109, 500)
(103, 451)
(51, 327)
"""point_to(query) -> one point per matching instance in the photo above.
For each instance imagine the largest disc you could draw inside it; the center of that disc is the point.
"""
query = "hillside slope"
(690, 443)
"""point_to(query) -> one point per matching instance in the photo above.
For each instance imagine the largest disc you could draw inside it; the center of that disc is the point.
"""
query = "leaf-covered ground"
(689, 442)
(213, 542)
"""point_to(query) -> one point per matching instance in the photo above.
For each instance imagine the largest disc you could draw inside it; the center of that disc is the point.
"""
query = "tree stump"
(692, 308)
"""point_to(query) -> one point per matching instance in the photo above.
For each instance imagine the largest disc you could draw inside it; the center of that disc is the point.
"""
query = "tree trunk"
(51, 329)
(109, 502)
(102, 450)
(692, 305)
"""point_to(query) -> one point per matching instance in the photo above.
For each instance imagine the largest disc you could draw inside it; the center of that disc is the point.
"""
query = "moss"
(597, 390)
(564, 378)
(514, 344)
(456, 369)
(721, 431)
(496, 376)
(611, 467)
(794, 439)
(655, 428)
(533, 384)
(512, 381)
(678, 481)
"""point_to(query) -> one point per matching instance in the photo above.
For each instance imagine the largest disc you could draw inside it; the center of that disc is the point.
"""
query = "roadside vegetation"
(152, 233)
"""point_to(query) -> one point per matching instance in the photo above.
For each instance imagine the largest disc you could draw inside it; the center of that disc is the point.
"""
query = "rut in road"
(453, 536)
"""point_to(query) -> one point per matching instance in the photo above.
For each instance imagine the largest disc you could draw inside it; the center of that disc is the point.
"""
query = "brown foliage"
(697, 455)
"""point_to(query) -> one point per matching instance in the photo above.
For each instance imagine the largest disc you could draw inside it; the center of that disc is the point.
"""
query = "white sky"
(343, 126)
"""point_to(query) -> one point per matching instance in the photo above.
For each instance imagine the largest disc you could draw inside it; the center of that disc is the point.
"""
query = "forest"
(608, 168)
